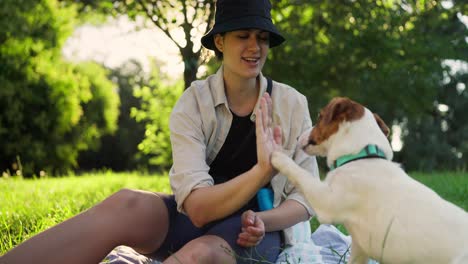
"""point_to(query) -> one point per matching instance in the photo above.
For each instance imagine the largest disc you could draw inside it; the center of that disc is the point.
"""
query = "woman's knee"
(131, 202)
(134, 208)
(142, 213)
(205, 249)
(123, 201)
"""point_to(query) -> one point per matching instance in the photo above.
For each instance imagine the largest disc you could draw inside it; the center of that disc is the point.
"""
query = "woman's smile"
(251, 61)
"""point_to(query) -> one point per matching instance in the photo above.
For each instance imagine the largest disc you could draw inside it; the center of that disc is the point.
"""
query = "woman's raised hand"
(268, 138)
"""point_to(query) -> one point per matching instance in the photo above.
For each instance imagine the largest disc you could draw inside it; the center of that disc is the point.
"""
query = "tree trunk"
(191, 64)
(190, 70)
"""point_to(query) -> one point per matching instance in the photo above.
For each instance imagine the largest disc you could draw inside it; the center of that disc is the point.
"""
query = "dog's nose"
(312, 142)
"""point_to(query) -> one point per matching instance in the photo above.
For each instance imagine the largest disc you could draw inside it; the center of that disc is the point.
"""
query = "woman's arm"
(207, 204)
(255, 224)
(287, 214)
(291, 211)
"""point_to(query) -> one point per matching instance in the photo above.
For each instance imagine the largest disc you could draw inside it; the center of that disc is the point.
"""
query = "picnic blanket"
(326, 245)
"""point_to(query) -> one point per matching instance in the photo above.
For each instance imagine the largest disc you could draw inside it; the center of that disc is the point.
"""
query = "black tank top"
(238, 153)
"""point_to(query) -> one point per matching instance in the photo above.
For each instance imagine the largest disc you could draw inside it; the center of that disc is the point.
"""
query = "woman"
(221, 160)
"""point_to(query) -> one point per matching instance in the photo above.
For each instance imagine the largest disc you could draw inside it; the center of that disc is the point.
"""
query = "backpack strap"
(268, 90)
(269, 85)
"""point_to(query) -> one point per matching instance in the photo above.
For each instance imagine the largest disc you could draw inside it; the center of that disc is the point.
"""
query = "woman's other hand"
(253, 229)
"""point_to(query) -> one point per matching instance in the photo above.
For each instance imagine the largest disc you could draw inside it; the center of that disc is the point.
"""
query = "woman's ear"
(218, 41)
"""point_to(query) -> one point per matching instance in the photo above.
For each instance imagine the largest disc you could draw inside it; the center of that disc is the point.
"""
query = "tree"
(119, 151)
(51, 109)
(158, 99)
(182, 21)
(385, 54)
(440, 140)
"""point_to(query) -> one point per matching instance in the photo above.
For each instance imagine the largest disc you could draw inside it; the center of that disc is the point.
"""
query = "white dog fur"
(391, 217)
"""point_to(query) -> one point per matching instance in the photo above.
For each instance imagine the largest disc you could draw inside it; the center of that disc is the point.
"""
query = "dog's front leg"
(316, 192)
(358, 256)
(297, 175)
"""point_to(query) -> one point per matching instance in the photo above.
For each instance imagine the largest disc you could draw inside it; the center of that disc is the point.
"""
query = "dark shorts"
(181, 231)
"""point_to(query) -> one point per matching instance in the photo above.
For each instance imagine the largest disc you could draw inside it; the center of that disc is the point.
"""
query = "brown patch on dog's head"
(340, 109)
(382, 125)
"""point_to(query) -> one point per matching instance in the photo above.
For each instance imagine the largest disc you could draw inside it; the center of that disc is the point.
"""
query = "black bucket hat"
(242, 14)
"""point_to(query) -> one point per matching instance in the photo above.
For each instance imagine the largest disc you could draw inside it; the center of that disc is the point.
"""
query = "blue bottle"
(265, 199)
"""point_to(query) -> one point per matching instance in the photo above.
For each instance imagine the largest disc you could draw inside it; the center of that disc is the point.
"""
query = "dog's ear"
(382, 125)
(342, 108)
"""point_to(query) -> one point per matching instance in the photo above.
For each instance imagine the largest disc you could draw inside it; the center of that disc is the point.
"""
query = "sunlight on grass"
(452, 186)
(31, 206)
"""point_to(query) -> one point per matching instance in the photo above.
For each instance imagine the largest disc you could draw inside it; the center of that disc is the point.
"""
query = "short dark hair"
(218, 54)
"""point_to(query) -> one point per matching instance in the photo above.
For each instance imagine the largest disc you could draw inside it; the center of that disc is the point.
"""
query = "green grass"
(450, 186)
(30, 206)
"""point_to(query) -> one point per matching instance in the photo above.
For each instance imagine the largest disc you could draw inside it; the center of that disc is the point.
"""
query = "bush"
(50, 109)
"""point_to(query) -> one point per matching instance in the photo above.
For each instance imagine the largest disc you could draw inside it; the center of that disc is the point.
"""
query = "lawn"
(30, 206)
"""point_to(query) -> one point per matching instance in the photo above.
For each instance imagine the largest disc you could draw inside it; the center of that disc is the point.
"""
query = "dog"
(391, 217)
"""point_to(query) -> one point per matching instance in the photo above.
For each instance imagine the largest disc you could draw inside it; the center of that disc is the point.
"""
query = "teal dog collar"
(369, 151)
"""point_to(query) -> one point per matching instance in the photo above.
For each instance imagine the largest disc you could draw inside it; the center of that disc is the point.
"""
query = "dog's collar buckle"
(369, 151)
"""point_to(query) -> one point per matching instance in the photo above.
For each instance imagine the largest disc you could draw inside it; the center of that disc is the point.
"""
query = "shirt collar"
(217, 88)
(219, 93)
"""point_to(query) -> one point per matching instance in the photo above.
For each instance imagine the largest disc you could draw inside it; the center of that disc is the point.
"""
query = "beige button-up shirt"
(200, 122)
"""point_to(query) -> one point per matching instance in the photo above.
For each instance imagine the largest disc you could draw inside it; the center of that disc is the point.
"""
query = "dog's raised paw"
(278, 158)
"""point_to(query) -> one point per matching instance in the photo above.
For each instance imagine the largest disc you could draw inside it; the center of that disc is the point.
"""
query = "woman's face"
(244, 51)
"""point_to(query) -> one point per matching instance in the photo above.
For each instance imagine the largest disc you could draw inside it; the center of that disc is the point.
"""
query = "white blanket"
(327, 245)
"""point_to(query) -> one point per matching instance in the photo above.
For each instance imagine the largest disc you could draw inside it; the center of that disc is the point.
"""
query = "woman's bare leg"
(135, 218)
(205, 249)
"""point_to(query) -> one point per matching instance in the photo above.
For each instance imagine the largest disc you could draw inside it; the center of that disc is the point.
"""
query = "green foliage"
(440, 140)
(158, 99)
(119, 151)
(368, 50)
(50, 109)
(385, 54)
(34, 26)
